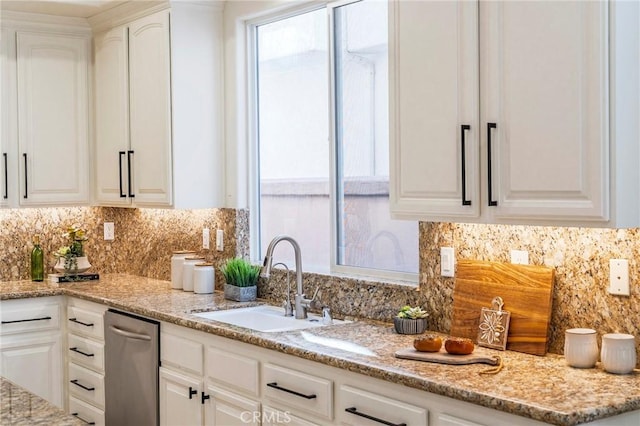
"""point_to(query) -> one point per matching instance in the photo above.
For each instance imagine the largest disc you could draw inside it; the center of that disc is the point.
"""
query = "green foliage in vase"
(240, 273)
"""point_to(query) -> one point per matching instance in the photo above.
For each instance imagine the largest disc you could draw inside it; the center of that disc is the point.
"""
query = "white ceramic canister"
(618, 354)
(581, 347)
(177, 262)
(203, 278)
(187, 271)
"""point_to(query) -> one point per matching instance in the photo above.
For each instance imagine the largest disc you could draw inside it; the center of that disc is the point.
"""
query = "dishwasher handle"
(129, 334)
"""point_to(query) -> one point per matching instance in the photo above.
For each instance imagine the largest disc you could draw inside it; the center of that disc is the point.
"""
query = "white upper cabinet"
(45, 111)
(158, 78)
(533, 105)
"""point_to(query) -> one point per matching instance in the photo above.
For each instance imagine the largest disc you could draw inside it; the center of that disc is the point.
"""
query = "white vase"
(82, 264)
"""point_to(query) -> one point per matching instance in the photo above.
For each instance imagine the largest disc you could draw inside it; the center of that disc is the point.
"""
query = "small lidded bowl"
(581, 347)
(618, 353)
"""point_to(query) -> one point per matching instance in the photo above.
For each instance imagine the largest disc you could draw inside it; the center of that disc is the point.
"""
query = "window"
(321, 140)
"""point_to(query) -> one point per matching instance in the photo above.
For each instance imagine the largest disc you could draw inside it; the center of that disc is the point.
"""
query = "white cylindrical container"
(187, 271)
(177, 262)
(581, 347)
(618, 353)
(203, 278)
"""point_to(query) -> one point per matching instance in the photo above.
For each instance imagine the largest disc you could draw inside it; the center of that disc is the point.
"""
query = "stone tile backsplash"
(145, 239)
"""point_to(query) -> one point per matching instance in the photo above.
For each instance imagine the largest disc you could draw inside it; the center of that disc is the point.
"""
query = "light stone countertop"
(541, 388)
(18, 406)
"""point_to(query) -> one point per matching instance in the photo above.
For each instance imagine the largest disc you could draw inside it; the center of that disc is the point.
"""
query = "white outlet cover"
(220, 240)
(447, 261)
(619, 277)
(205, 238)
(519, 257)
(109, 231)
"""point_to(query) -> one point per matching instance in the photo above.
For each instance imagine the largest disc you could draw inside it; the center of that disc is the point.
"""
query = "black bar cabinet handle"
(76, 350)
(490, 126)
(26, 320)
(463, 128)
(120, 154)
(86, 324)
(204, 397)
(6, 176)
(354, 410)
(192, 392)
(129, 154)
(26, 179)
(86, 421)
(75, 382)
(302, 395)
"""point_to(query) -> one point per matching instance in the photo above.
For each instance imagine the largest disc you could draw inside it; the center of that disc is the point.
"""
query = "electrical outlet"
(205, 238)
(520, 257)
(220, 240)
(447, 262)
(619, 277)
(109, 231)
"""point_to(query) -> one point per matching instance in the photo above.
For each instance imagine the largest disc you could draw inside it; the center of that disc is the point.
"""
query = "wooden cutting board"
(527, 291)
(443, 357)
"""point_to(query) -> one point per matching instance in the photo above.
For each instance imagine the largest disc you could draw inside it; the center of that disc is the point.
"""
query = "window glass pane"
(293, 128)
(367, 236)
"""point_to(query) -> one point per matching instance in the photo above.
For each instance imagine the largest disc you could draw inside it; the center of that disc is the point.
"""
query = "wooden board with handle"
(527, 291)
(442, 357)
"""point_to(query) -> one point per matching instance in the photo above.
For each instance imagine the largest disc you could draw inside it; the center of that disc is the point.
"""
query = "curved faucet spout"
(301, 303)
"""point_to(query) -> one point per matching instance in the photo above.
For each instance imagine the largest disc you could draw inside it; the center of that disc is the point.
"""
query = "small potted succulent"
(410, 320)
(241, 278)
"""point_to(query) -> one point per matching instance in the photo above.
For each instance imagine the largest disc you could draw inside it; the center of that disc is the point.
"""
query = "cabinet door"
(150, 109)
(53, 136)
(112, 155)
(545, 88)
(8, 173)
(434, 108)
(34, 362)
(224, 408)
(180, 399)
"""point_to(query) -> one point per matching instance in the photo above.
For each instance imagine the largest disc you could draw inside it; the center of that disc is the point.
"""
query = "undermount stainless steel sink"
(264, 318)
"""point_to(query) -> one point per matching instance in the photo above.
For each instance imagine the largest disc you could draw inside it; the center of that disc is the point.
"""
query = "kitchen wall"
(145, 239)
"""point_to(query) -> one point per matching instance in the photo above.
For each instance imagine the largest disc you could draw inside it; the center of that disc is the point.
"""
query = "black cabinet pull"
(205, 397)
(120, 154)
(302, 395)
(86, 324)
(129, 154)
(26, 320)
(86, 421)
(354, 410)
(26, 179)
(6, 176)
(75, 382)
(192, 392)
(490, 126)
(76, 350)
(463, 128)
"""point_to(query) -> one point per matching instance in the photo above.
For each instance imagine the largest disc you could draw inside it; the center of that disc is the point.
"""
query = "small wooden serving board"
(443, 357)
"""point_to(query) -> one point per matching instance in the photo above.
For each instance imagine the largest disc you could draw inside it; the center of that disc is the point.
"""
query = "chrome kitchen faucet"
(300, 301)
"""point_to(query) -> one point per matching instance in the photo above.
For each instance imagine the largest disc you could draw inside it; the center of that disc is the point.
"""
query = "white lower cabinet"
(359, 407)
(85, 360)
(273, 417)
(31, 346)
(225, 408)
(180, 399)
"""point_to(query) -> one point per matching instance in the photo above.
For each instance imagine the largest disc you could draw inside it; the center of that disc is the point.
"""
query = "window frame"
(253, 139)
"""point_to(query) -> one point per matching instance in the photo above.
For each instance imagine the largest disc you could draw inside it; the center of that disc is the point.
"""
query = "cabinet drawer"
(358, 407)
(300, 390)
(275, 417)
(86, 412)
(85, 322)
(448, 420)
(232, 370)
(181, 353)
(86, 385)
(86, 352)
(25, 315)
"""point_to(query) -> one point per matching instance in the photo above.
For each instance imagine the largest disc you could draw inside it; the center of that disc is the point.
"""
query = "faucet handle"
(314, 295)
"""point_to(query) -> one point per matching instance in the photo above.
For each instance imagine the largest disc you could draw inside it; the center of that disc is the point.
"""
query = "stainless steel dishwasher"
(131, 369)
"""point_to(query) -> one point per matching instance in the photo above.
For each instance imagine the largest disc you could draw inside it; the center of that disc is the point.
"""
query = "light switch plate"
(447, 262)
(520, 257)
(619, 277)
(220, 240)
(109, 231)
(205, 238)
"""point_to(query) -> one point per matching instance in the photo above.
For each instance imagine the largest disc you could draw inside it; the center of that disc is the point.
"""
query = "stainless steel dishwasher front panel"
(131, 369)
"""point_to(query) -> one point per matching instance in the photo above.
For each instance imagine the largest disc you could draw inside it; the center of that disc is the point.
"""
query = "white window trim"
(254, 163)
